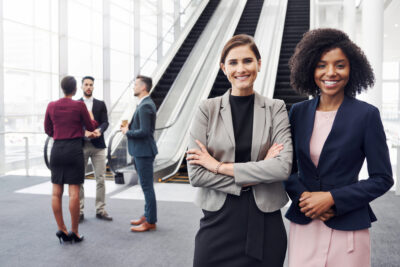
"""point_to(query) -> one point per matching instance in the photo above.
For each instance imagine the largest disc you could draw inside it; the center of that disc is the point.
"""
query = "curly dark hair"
(309, 51)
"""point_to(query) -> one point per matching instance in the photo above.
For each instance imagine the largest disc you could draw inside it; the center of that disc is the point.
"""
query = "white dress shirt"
(88, 102)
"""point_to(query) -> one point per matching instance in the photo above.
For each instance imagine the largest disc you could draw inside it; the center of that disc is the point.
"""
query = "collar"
(90, 99)
(258, 99)
(140, 100)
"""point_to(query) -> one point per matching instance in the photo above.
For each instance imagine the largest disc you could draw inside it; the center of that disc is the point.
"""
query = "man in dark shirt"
(143, 148)
(95, 148)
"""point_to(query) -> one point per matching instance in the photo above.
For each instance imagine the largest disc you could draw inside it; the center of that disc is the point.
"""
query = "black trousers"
(226, 236)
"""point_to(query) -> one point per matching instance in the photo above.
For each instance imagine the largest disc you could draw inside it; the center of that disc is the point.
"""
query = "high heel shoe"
(63, 237)
(75, 238)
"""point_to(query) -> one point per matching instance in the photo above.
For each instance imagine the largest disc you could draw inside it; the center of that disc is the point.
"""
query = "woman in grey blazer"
(239, 153)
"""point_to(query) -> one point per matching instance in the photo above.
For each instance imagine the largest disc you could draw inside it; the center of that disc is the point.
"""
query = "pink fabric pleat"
(316, 245)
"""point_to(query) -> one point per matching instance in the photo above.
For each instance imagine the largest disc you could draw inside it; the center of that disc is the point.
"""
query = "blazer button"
(317, 178)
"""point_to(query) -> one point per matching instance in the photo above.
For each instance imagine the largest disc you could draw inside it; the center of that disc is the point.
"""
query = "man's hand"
(89, 134)
(124, 129)
(97, 133)
(314, 204)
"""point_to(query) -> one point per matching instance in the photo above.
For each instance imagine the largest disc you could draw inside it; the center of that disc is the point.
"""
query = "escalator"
(161, 89)
(296, 24)
(248, 25)
(197, 78)
(117, 158)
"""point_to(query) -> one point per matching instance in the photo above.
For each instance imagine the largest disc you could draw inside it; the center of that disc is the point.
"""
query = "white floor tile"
(164, 192)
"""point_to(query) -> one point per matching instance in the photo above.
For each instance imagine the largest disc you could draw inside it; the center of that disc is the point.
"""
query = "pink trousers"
(317, 245)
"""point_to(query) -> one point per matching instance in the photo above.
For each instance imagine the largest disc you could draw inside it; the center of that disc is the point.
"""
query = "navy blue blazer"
(357, 133)
(141, 141)
(99, 111)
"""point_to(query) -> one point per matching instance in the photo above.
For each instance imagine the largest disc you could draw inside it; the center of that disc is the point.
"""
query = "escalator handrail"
(148, 59)
(46, 146)
(110, 164)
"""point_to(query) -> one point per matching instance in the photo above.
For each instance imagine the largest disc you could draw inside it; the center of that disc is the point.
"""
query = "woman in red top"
(65, 121)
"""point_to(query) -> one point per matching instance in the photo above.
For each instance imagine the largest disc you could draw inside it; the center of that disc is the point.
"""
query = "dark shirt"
(242, 108)
(65, 119)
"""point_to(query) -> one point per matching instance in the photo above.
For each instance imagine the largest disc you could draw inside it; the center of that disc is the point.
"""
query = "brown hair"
(68, 85)
(148, 82)
(239, 40)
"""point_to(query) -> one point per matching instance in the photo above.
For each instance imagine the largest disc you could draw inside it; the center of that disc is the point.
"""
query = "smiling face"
(241, 67)
(332, 73)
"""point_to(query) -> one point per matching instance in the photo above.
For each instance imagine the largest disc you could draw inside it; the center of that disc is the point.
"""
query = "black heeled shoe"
(63, 237)
(75, 238)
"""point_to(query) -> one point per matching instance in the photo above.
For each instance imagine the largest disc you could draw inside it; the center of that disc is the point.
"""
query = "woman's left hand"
(201, 157)
(314, 204)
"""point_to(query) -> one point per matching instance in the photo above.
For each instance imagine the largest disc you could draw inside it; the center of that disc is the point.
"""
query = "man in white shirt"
(95, 148)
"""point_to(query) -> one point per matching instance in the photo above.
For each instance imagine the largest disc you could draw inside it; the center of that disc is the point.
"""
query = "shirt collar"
(90, 99)
(140, 101)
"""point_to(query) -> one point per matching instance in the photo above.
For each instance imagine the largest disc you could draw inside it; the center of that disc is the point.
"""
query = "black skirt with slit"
(240, 235)
(66, 162)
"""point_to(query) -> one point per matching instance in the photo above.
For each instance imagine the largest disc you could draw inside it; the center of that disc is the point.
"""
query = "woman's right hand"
(274, 151)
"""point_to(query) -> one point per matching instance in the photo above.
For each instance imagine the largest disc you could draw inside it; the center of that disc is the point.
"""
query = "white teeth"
(330, 82)
(242, 77)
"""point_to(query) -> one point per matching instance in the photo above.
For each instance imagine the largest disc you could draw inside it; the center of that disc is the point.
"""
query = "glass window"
(18, 45)
(19, 10)
(391, 70)
(42, 14)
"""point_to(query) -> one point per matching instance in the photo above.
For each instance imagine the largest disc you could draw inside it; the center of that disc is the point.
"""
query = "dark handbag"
(119, 178)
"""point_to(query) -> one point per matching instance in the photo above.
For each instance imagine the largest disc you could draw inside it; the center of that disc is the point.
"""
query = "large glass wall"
(33, 57)
(30, 37)
(85, 42)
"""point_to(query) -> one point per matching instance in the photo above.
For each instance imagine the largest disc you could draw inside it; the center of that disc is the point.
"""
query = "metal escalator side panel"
(173, 141)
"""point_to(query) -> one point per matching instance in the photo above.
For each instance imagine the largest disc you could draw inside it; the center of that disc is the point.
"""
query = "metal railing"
(159, 43)
(26, 147)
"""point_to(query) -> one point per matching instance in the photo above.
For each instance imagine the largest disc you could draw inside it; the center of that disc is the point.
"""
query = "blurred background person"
(143, 148)
(65, 120)
(94, 148)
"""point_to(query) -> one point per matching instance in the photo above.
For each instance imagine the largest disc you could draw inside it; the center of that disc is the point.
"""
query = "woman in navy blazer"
(332, 135)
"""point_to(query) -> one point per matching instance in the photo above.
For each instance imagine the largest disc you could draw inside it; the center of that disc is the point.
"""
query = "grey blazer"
(213, 127)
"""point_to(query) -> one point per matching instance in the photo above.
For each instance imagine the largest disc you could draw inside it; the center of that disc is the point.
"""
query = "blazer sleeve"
(198, 175)
(145, 113)
(275, 169)
(380, 179)
(293, 186)
(103, 118)
(48, 123)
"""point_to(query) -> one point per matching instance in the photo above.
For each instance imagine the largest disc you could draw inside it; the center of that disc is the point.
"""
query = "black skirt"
(241, 235)
(66, 162)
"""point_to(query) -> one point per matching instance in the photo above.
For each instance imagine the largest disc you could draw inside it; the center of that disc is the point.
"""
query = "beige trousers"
(98, 158)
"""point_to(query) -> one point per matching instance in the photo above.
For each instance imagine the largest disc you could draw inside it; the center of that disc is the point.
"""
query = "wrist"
(218, 167)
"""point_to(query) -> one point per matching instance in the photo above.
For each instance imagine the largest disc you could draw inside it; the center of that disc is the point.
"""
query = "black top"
(242, 108)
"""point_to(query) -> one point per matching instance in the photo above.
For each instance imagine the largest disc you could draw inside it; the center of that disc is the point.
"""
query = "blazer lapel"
(258, 126)
(226, 115)
(309, 125)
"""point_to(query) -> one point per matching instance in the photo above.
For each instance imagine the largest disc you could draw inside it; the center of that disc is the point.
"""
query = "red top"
(66, 119)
